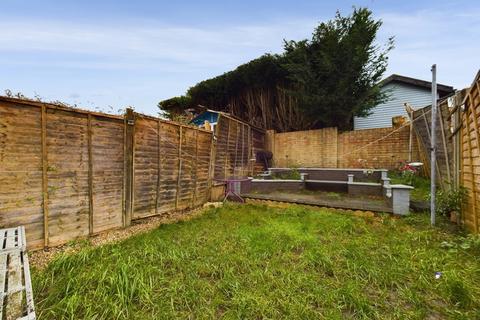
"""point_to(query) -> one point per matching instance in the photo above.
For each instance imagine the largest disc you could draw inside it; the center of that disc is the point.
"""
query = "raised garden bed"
(352, 183)
(333, 174)
(339, 200)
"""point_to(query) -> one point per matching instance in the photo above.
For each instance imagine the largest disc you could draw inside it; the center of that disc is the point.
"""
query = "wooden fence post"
(44, 175)
(129, 163)
(90, 175)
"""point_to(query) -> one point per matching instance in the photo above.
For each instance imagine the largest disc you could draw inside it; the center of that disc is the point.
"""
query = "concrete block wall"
(359, 148)
(327, 148)
(311, 148)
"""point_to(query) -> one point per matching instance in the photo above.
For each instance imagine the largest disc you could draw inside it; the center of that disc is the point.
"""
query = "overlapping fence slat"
(21, 197)
(470, 156)
(169, 164)
(145, 165)
(186, 186)
(236, 144)
(202, 167)
(107, 173)
(68, 173)
(422, 122)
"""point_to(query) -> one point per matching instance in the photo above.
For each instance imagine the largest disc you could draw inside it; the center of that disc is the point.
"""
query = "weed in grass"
(334, 195)
(250, 261)
(290, 174)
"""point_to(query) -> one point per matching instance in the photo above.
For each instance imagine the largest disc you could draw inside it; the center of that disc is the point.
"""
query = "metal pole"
(432, 147)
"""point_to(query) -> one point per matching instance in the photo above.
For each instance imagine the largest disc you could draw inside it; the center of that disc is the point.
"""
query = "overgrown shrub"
(291, 174)
(450, 200)
(421, 184)
(409, 176)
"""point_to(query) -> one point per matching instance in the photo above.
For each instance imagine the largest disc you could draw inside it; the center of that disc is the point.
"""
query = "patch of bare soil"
(40, 258)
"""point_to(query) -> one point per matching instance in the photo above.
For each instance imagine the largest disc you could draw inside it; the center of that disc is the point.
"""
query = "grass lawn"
(255, 262)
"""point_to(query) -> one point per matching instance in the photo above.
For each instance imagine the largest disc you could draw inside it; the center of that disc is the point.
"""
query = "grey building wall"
(399, 93)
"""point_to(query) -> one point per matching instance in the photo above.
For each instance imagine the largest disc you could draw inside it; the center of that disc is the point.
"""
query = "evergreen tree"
(321, 82)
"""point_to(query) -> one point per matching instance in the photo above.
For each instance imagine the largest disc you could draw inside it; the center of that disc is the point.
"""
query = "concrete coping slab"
(327, 181)
(332, 169)
(401, 186)
(275, 180)
(365, 184)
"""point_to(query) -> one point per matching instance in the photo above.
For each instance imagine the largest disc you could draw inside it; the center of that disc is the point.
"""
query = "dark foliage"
(314, 83)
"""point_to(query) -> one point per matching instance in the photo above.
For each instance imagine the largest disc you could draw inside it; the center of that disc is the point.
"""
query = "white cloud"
(137, 45)
(134, 63)
(427, 37)
(182, 55)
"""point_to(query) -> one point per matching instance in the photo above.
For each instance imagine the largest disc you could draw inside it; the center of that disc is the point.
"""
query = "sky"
(106, 55)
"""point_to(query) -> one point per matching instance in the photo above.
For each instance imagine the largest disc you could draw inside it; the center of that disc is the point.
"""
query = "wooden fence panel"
(258, 140)
(236, 143)
(244, 149)
(107, 173)
(145, 167)
(204, 141)
(422, 122)
(232, 164)
(470, 156)
(21, 170)
(169, 160)
(67, 174)
(222, 136)
(187, 174)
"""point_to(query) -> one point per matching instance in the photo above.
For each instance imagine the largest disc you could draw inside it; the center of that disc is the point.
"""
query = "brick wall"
(358, 148)
(327, 148)
(312, 148)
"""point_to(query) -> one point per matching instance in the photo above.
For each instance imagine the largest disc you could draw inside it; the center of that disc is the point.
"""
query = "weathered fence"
(171, 166)
(470, 154)
(384, 148)
(445, 157)
(67, 173)
(235, 147)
